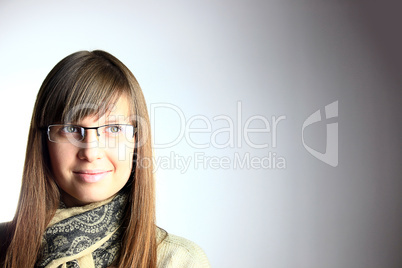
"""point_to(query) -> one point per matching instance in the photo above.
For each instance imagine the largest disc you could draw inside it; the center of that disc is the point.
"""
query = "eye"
(114, 129)
(69, 129)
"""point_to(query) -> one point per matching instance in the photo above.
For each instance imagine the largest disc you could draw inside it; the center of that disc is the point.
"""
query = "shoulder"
(176, 251)
(3, 226)
(3, 231)
(3, 239)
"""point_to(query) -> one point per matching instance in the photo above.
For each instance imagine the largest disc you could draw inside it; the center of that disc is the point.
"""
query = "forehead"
(119, 111)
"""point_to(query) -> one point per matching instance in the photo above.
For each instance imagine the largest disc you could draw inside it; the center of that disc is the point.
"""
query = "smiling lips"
(91, 175)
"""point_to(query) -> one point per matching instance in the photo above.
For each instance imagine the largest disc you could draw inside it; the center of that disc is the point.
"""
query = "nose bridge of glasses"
(86, 133)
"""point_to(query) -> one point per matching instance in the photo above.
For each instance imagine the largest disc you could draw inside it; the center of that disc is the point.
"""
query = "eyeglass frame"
(83, 133)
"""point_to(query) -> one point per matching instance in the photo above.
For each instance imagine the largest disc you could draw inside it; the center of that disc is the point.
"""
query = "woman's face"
(93, 171)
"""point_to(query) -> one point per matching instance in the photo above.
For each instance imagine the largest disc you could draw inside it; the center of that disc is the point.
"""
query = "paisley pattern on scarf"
(73, 235)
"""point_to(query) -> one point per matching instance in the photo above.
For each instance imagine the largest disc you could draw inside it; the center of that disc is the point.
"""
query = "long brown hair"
(83, 78)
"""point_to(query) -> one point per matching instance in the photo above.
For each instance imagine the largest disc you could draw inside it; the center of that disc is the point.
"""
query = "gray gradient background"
(277, 58)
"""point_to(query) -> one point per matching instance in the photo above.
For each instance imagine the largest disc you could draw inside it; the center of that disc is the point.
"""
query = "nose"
(89, 147)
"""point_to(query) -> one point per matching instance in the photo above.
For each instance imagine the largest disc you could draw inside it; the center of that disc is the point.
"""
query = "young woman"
(84, 200)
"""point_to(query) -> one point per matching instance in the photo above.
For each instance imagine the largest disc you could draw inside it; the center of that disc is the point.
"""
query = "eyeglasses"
(72, 133)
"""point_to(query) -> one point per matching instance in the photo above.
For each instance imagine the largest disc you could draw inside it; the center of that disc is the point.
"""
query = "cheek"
(59, 157)
(123, 159)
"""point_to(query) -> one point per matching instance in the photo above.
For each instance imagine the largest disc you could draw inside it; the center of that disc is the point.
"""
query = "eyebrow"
(116, 121)
(108, 121)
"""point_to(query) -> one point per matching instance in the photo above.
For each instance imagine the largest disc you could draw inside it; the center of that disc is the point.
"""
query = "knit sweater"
(175, 251)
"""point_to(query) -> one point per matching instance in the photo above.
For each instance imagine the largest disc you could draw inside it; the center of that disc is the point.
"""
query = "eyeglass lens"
(73, 133)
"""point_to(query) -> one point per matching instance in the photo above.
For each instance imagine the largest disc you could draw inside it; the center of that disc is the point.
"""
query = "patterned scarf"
(84, 237)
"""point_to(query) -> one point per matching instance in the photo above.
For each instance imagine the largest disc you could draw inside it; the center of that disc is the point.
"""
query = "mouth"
(91, 176)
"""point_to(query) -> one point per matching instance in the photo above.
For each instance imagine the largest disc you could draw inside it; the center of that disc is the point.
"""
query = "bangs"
(92, 98)
(89, 89)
